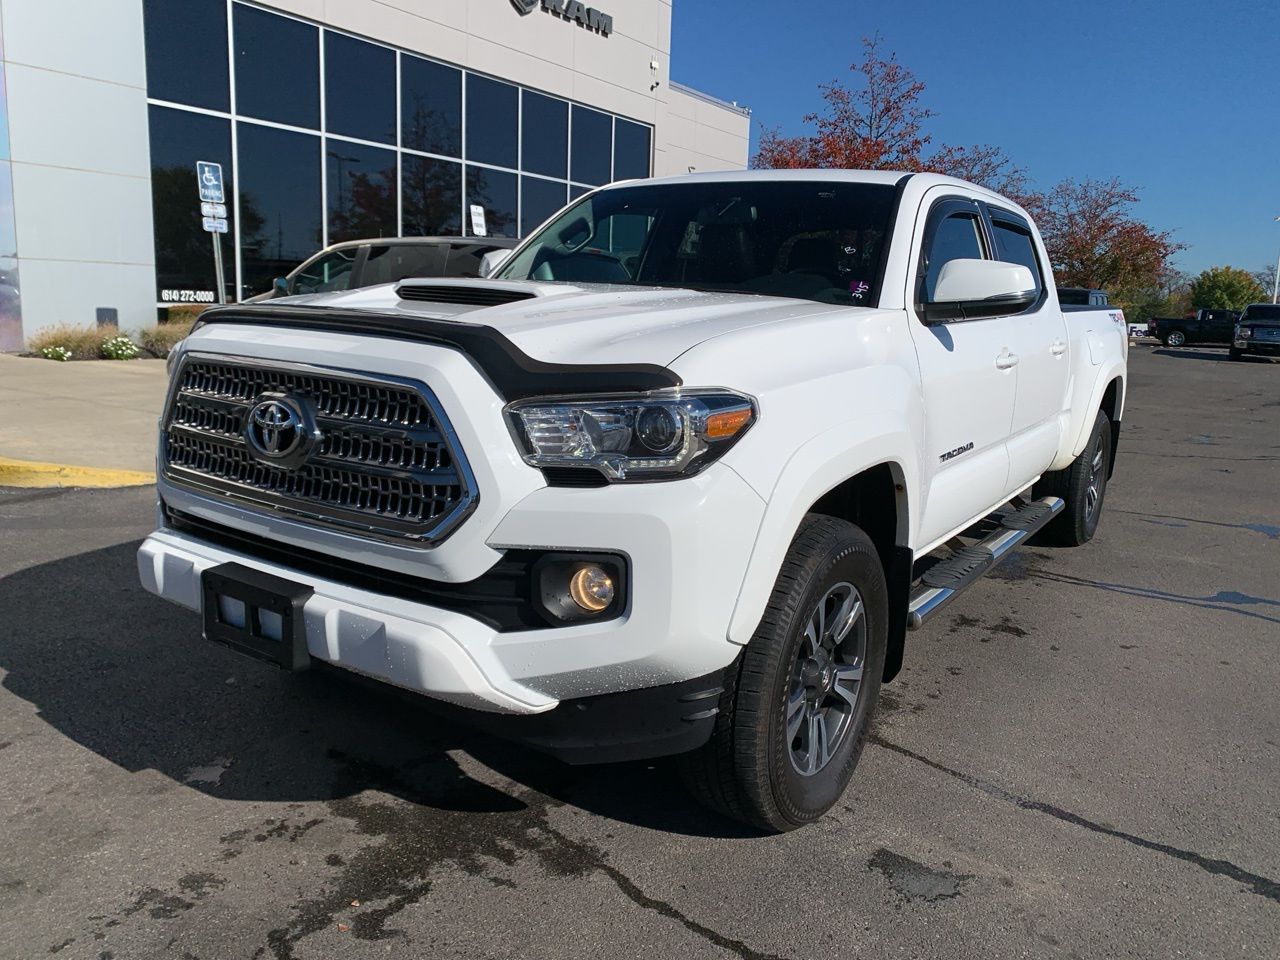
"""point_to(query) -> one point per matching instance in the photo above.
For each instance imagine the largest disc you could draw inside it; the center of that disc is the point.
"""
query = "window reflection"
(631, 150)
(184, 252)
(432, 197)
(170, 28)
(545, 140)
(431, 107)
(362, 191)
(277, 68)
(359, 88)
(491, 121)
(592, 147)
(539, 199)
(496, 193)
(279, 203)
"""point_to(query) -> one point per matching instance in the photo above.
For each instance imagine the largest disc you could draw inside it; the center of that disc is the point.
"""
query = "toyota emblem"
(280, 430)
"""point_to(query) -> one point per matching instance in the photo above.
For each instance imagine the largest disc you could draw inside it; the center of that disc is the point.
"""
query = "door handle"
(1006, 360)
(1058, 347)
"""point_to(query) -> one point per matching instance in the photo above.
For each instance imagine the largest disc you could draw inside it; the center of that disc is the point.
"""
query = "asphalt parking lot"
(1081, 760)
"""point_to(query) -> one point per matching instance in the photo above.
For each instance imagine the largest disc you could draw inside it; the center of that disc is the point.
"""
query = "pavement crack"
(632, 891)
(1255, 883)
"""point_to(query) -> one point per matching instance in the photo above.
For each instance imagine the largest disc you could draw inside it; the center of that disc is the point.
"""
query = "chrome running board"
(943, 581)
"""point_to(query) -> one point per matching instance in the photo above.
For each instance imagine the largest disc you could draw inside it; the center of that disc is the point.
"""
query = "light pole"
(1275, 286)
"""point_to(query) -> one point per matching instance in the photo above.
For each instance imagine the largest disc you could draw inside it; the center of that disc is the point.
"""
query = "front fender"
(816, 467)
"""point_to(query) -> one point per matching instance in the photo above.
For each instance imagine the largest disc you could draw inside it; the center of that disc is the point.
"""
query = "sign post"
(213, 212)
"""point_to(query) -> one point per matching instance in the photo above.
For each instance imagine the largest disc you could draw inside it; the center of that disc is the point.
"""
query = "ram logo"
(951, 454)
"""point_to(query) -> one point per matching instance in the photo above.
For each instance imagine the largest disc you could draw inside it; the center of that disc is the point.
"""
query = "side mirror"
(492, 262)
(968, 289)
(281, 286)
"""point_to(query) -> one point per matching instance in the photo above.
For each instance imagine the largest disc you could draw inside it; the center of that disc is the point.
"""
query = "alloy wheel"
(826, 679)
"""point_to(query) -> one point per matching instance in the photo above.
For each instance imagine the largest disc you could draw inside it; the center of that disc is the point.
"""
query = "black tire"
(1175, 338)
(749, 769)
(1234, 354)
(1083, 486)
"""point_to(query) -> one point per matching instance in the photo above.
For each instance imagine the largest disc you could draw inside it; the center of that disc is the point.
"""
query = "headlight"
(654, 436)
(1244, 333)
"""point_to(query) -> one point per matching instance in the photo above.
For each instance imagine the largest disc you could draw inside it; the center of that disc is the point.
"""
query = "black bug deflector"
(515, 374)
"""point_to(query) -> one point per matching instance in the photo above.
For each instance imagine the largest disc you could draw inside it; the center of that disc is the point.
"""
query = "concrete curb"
(28, 473)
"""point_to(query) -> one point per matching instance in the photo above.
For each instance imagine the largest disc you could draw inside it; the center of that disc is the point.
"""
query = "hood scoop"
(476, 293)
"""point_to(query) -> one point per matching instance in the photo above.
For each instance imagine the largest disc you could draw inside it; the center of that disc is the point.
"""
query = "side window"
(464, 261)
(388, 263)
(1014, 245)
(958, 237)
(330, 272)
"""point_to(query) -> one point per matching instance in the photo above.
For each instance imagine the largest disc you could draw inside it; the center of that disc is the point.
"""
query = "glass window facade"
(348, 166)
(280, 224)
(170, 27)
(277, 68)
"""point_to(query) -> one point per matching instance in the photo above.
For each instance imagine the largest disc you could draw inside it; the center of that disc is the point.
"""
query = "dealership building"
(331, 120)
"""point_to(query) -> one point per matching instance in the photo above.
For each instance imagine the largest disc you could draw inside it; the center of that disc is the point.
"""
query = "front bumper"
(1258, 348)
(687, 544)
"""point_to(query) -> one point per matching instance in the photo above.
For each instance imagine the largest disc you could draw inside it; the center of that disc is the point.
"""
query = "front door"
(969, 381)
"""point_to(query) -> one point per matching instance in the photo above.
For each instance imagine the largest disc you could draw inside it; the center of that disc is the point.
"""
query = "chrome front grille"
(385, 464)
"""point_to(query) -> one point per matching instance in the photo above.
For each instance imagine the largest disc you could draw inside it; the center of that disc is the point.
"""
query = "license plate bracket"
(279, 637)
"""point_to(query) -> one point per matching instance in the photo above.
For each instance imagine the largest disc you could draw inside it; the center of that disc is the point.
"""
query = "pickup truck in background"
(1202, 327)
(1257, 332)
(1082, 297)
(678, 479)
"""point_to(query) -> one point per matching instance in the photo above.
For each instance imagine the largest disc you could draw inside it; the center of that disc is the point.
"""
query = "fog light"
(591, 588)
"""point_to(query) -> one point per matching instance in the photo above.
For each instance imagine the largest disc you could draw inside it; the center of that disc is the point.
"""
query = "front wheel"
(1175, 338)
(794, 719)
(1234, 354)
(1083, 486)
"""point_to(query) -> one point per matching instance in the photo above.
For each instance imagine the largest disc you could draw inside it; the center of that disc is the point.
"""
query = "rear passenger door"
(967, 382)
(1039, 341)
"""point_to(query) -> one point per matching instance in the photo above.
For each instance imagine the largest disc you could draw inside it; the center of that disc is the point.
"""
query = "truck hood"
(579, 323)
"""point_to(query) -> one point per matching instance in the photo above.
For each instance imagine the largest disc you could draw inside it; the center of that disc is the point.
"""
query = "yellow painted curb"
(28, 473)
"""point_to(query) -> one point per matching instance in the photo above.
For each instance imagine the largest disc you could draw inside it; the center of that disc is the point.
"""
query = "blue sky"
(1179, 99)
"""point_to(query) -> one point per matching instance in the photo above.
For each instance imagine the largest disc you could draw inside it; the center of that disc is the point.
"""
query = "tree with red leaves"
(1095, 241)
(1088, 226)
(879, 125)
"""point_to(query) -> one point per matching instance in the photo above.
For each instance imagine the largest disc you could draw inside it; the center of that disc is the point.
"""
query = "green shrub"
(182, 313)
(56, 353)
(119, 347)
(82, 343)
(160, 340)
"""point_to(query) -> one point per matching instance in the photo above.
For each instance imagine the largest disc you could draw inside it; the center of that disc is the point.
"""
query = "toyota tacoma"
(678, 478)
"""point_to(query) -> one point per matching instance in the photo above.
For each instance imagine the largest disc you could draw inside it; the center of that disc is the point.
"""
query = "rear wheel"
(1083, 486)
(794, 719)
(1175, 338)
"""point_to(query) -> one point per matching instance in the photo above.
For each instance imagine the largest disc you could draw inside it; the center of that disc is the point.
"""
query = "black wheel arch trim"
(515, 374)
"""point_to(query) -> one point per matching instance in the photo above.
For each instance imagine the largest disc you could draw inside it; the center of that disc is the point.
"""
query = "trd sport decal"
(956, 452)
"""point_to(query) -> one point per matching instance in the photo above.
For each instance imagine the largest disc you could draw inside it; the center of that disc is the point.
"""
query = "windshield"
(1261, 311)
(819, 240)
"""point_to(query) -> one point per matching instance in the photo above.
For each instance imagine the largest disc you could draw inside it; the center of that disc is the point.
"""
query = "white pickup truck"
(678, 479)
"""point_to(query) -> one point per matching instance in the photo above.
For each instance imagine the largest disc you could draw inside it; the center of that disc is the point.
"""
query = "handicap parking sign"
(209, 177)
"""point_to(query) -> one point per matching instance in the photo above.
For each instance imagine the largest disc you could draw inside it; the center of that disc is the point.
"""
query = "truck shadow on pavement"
(1182, 354)
(129, 677)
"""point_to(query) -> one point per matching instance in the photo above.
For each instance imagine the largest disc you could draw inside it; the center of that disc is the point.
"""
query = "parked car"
(1082, 297)
(364, 263)
(1203, 326)
(1257, 332)
(678, 479)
